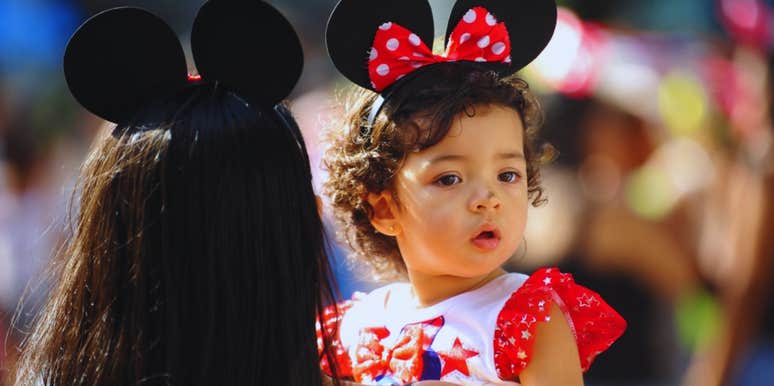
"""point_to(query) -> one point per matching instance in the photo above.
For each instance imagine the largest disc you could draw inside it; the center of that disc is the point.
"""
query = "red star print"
(455, 358)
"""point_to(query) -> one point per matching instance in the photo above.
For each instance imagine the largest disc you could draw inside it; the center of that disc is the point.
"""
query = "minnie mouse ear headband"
(377, 44)
(123, 58)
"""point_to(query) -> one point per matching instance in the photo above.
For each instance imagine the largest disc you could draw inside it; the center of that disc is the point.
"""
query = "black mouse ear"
(353, 25)
(248, 46)
(530, 25)
(120, 59)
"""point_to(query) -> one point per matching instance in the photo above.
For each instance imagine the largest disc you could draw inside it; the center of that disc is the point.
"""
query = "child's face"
(463, 202)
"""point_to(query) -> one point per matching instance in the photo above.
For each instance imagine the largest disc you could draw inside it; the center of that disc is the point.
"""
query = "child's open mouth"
(488, 239)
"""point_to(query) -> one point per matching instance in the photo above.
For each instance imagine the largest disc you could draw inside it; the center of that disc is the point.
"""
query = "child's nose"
(484, 202)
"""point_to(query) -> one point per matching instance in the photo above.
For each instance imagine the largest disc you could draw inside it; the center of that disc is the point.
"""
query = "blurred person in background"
(588, 229)
(685, 222)
(739, 257)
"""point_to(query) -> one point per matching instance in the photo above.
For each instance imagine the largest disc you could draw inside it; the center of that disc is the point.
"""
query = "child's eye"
(508, 177)
(448, 180)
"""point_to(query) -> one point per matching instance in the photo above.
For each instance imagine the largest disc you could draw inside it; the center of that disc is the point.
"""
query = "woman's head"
(197, 255)
(419, 115)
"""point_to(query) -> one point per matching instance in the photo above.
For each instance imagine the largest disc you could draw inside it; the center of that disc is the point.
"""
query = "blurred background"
(660, 199)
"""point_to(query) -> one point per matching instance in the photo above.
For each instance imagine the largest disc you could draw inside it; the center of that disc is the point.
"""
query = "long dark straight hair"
(197, 257)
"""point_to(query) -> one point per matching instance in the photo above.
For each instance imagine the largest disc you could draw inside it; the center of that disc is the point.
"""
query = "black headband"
(122, 58)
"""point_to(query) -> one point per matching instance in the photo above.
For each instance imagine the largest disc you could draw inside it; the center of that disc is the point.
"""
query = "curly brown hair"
(364, 158)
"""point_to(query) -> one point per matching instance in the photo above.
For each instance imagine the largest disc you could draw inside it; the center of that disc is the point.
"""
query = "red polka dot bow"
(396, 51)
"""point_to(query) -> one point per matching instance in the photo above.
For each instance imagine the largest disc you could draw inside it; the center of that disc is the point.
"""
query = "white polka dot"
(383, 69)
(490, 19)
(418, 55)
(416, 65)
(465, 37)
(374, 54)
(483, 42)
(470, 16)
(399, 77)
(414, 39)
(404, 58)
(373, 85)
(507, 60)
(480, 59)
(385, 26)
(393, 44)
(498, 48)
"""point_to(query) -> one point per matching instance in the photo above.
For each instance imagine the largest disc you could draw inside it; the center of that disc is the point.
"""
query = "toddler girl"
(430, 181)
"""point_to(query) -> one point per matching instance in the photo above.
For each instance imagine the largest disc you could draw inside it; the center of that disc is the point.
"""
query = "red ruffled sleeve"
(593, 322)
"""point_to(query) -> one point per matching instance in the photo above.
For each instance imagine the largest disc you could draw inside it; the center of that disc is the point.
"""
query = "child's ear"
(383, 213)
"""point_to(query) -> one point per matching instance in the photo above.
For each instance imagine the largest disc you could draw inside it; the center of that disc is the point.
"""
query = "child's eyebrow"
(456, 157)
(446, 157)
(514, 155)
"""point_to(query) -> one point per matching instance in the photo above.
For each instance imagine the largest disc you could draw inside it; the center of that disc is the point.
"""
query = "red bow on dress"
(397, 51)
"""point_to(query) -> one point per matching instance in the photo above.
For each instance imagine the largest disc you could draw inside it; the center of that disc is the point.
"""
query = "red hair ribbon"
(397, 51)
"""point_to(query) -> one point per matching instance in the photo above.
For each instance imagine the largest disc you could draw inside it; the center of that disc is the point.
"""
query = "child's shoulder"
(594, 324)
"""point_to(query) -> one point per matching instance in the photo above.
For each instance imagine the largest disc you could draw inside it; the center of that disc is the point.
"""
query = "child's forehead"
(488, 127)
(429, 115)
(478, 116)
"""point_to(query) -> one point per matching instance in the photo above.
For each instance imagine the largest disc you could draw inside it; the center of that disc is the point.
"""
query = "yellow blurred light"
(650, 194)
(683, 104)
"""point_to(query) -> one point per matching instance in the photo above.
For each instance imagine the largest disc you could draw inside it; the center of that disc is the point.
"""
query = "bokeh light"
(649, 193)
(683, 103)
(747, 20)
(570, 62)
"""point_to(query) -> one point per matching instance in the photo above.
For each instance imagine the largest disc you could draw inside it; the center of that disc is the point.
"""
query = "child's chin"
(480, 264)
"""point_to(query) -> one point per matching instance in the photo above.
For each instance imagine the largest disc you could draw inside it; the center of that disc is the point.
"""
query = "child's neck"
(432, 289)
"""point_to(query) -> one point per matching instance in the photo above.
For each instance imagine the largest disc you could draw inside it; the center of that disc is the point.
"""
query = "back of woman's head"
(197, 255)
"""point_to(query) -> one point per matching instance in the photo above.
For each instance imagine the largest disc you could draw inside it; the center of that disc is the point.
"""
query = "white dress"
(480, 337)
